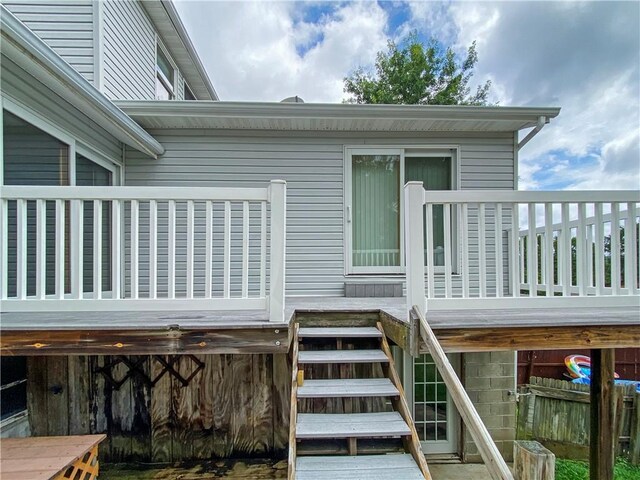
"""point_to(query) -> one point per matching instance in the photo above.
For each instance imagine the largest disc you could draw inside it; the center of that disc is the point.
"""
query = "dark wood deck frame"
(210, 332)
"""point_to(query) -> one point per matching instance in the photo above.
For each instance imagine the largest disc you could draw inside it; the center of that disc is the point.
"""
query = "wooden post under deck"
(602, 441)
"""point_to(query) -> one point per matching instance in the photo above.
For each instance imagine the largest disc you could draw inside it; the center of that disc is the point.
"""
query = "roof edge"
(329, 110)
(199, 80)
(73, 87)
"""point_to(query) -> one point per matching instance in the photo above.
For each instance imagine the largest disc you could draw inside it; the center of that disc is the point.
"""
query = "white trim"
(2, 100)
(12, 192)
(98, 45)
(36, 119)
(525, 116)
(522, 196)
(98, 158)
(30, 53)
(171, 86)
(516, 166)
(435, 447)
(425, 150)
(493, 303)
(130, 304)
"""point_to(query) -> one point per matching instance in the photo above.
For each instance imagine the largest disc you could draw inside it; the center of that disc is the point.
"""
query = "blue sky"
(581, 56)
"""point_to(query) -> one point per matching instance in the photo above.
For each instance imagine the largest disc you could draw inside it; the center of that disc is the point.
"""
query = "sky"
(581, 56)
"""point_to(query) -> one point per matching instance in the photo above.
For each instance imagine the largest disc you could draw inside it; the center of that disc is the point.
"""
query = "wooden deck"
(161, 332)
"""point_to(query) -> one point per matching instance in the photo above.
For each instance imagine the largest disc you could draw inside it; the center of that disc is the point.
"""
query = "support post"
(414, 245)
(602, 441)
(277, 248)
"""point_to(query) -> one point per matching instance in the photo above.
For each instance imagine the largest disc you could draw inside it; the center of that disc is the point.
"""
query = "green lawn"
(574, 470)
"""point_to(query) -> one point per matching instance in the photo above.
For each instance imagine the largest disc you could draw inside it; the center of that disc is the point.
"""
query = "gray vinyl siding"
(129, 43)
(65, 25)
(313, 167)
(26, 90)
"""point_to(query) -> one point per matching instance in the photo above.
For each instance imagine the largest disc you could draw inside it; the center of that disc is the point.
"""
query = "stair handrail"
(489, 452)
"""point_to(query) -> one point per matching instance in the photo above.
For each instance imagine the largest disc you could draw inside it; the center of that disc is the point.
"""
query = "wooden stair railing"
(293, 413)
(490, 454)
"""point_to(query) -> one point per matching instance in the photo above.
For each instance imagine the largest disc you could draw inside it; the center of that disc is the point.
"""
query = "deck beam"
(266, 338)
(487, 339)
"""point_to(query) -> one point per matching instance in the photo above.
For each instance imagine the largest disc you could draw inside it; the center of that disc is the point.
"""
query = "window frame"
(171, 86)
(435, 150)
(75, 146)
(188, 89)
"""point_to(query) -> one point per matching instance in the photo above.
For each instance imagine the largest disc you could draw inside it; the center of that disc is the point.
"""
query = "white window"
(374, 180)
(188, 94)
(165, 76)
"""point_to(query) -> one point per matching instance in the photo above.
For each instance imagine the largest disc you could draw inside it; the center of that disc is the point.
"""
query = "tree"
(417, 74)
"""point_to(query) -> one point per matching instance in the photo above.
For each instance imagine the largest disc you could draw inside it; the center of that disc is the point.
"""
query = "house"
(159, 246)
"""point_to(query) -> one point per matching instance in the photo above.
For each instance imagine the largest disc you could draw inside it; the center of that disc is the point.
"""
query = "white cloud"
(253, 51)
(581, 56)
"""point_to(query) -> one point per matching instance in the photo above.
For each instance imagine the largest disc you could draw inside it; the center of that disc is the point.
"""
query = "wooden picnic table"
(44, 458)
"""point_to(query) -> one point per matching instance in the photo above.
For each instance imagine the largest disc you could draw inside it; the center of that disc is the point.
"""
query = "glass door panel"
(376, 210)
(435, 174)
(91, 174)
(433, 411)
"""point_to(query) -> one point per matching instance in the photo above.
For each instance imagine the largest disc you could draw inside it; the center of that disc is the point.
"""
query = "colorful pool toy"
(579, 367)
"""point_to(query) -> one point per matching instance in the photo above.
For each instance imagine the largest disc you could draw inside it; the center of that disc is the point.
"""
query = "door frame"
(435, 447)
(403, 150)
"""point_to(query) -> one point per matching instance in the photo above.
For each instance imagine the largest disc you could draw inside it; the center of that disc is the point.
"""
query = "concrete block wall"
(489, 381)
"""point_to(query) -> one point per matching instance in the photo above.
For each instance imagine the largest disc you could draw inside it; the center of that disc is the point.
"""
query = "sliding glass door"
(374, 181)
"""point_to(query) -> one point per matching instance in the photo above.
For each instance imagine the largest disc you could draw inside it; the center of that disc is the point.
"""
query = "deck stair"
(372, 434)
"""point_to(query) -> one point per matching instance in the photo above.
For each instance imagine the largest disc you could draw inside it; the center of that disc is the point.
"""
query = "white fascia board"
(28, 51)
(178, 39)
(528, 115)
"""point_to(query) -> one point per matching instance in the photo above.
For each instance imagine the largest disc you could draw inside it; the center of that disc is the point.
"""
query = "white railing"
(481, 264)
(583, 255)
(142, 248)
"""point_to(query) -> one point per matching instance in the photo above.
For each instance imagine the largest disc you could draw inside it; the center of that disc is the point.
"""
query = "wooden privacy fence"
(556, 413)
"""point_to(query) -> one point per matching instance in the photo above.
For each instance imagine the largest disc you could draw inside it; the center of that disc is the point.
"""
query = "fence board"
(556, 413)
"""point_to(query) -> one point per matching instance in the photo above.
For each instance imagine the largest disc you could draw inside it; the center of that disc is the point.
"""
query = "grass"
(576, 470)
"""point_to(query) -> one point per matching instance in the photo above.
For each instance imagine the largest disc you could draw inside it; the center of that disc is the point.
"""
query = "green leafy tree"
(414, 73)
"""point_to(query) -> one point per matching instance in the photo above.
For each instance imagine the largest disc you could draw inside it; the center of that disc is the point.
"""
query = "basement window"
(13, 387)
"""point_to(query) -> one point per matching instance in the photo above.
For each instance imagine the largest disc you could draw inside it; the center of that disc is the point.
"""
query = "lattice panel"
(135, 368)
(85, 468)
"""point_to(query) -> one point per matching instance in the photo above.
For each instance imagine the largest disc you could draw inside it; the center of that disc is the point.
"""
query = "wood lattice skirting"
(134, 367)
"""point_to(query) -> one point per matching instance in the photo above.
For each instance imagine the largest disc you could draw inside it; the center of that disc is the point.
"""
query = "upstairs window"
(165, 76)
(188, 95)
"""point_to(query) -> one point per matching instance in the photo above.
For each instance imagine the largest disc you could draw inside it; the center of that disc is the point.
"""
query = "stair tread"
(351, 425)
(342, 356)
(357, 387)
(339, 332)
(361, 467)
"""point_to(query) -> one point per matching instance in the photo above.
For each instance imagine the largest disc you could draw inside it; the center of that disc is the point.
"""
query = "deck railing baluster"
(482, 251)
(97, 249)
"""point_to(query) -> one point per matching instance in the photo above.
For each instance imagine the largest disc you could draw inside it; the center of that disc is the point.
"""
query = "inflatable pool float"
(579, 367)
